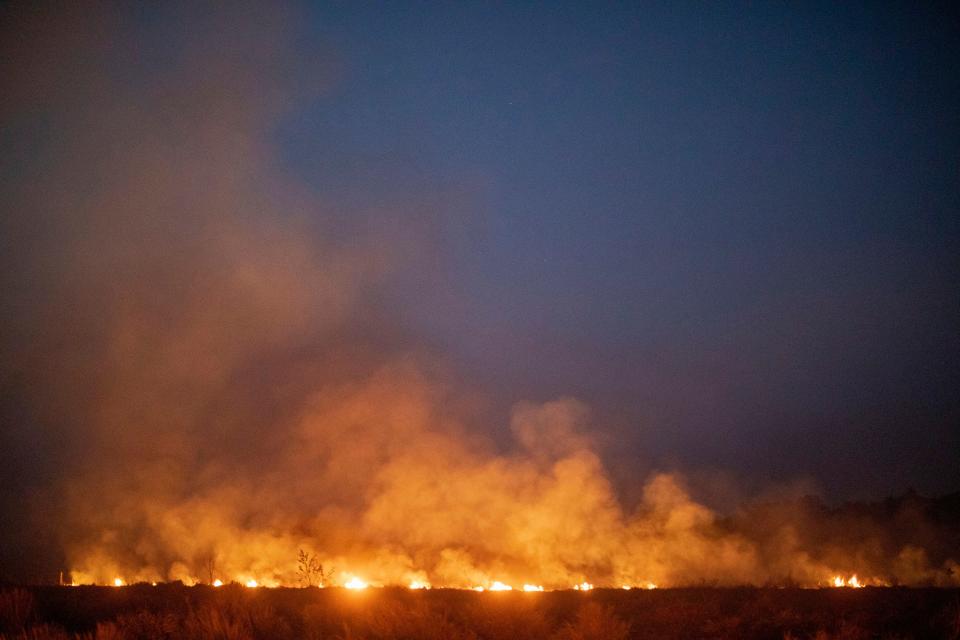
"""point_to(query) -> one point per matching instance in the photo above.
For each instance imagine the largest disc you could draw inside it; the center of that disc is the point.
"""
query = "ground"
(232, 612)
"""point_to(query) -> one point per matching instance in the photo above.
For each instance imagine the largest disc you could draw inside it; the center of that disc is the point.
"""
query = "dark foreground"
(144, 612)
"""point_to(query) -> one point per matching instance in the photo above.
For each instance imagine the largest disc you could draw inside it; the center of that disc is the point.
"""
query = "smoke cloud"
(202, 374)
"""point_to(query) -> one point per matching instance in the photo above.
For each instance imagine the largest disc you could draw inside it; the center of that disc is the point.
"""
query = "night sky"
(729, 229)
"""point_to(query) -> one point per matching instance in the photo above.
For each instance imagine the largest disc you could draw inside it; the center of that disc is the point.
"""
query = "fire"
(853, 581)
(355, 583)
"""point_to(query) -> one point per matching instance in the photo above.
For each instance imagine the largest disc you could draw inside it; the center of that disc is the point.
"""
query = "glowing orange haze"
(434, 508)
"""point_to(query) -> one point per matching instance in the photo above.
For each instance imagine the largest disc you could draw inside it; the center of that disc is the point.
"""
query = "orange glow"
(853, 582)
(356, 583)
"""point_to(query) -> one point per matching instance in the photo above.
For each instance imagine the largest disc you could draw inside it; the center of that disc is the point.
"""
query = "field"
(232, 612)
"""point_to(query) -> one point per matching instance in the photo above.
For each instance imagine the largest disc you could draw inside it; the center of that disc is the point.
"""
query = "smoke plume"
(202, 374)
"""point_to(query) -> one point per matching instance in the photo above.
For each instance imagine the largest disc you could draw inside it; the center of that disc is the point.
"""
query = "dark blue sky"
(731, 228)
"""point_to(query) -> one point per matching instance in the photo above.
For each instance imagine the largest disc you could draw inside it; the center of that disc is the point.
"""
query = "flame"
(853, 581)
(355, 583)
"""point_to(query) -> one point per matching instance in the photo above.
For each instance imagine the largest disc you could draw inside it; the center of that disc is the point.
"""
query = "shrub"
(515, 618)
(216, 623)
(144, 625)
(410, 621)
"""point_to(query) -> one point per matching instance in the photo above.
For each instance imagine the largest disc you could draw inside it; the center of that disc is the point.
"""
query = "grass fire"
(479, 320)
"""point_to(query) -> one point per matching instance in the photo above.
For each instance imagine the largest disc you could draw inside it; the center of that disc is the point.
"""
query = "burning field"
(242, 402)
(533, 542)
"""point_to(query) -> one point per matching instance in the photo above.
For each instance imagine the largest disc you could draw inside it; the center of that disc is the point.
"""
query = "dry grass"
(594, 622)
(16, 610)
(202, 613)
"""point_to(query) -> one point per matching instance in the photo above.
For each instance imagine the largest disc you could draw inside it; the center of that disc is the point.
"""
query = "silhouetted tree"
(208, 566)
(310, 571)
